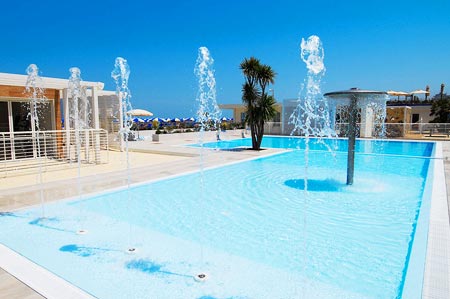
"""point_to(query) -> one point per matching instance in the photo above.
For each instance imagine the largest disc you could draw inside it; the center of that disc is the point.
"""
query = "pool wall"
(434, 192)
(38, 278)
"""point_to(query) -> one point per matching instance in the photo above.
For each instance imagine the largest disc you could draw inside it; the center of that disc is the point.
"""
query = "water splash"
(79, 104)
(373, 110)
(78, 95)
(208, 113)
(311, 117)
(121, 74)
(34, 87)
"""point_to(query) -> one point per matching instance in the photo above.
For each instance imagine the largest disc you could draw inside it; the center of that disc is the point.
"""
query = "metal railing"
(391, 130)
(28, 152)
(427, 129)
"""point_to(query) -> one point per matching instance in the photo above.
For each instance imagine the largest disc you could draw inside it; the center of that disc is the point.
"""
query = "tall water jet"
(77, 120)
(121, 74)
(208, 113)
(311, 117)
(34, 87)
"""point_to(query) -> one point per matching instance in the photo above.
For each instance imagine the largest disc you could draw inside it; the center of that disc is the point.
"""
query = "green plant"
(260, 106)
(224, 126)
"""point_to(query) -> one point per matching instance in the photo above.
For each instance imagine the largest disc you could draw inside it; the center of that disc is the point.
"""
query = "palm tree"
(260, 106)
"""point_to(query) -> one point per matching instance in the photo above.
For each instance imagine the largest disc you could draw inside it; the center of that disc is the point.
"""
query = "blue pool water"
(385, 147)
(250, 226)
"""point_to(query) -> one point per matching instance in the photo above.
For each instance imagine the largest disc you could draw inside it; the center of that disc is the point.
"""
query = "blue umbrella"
(138, 120)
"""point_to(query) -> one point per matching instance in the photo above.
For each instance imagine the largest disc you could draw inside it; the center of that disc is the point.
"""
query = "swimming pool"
(250, 226)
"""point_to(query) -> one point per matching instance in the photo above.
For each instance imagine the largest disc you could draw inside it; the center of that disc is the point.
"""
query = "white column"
(121, 123)
(11, 131)
(366, 122)
(96, 120)
(67, 121)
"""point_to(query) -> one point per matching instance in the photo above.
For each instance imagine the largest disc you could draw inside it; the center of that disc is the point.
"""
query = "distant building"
(239, 113)
(417, 112)
(395, 113)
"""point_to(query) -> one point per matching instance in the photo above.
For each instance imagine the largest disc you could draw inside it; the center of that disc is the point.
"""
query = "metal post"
(351, 139)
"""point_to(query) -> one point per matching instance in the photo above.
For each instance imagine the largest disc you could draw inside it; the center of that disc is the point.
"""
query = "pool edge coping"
(38, 278)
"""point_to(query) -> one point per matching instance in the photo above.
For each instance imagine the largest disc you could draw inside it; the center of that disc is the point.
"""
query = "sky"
(377, 44)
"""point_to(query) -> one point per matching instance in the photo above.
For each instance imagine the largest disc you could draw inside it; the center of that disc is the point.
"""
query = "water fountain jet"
(78, 95)
(121, 74)
(311, 117)
(34, 88)
(208, 113)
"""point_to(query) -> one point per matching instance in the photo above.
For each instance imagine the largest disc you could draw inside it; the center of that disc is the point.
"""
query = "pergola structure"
(13, 99)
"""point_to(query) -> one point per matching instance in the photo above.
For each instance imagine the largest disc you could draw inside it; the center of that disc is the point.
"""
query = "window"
(242, 116)
(4, 119)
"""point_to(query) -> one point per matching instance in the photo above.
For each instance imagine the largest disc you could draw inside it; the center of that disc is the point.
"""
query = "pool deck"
(154, 160)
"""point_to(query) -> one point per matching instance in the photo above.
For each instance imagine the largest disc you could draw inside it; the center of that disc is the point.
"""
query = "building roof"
(49, 83)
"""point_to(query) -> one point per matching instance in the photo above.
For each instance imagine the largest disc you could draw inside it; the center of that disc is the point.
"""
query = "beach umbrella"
(398, 93)
(176, 119)
(420, 91)
(139, 112)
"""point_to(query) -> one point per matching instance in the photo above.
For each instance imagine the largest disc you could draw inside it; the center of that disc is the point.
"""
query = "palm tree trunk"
(260, 133)
(254, 136)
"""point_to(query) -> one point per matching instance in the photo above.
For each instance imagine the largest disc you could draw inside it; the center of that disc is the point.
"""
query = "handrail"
(29, 151)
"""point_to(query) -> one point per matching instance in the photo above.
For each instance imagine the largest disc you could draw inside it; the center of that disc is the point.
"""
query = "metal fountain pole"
(351, 139)
(353, 94)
